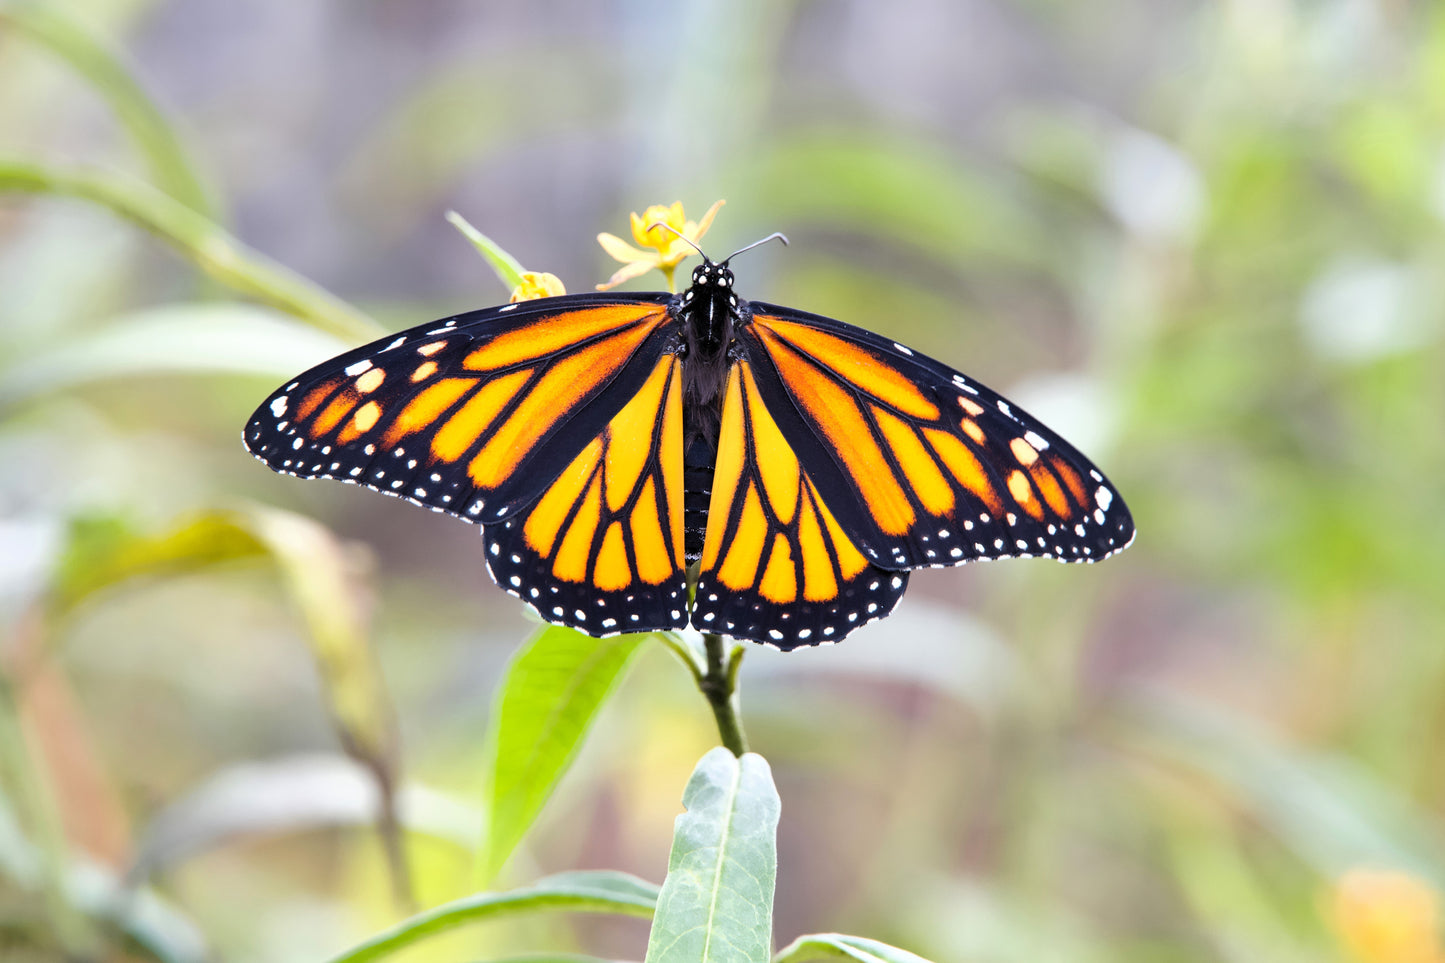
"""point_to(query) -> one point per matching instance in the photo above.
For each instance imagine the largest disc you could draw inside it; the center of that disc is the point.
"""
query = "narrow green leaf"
(101, 552)
(836, 946)
(717, 901)
(112, 80)
(508, 268)
(584, 892)
(104, 553)
(198, 239)
(319, 578)
(217, 337)
(552, 692)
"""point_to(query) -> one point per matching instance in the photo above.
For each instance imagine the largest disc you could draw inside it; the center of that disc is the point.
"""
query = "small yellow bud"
(537, 284)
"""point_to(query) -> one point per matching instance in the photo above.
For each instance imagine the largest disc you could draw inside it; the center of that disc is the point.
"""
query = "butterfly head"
(710, 274)
(709, 305)
(708, 308)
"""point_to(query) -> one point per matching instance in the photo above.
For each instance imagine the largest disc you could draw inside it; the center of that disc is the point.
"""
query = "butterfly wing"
(602, 550)
(556, 423)
(473, 415)
(921, 465)
(777, 566)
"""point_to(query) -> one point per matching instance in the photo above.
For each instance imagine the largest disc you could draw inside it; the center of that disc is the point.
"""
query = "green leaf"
(318, 575)
(599, 891)
(319, 578)
(112, 80)
(177, 339)
(552, 692)
(198, 239)
(101, 552)
(836, 946)
(508, 268)
(105, 552)
(717, 901)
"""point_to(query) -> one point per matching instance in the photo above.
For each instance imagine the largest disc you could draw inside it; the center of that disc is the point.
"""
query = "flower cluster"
(663, 229)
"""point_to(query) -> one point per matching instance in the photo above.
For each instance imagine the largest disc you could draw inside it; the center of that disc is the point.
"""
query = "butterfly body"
(707, 314)
(799, 466)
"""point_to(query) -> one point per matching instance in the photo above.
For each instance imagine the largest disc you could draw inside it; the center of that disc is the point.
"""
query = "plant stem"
(393, 843)
(200, 240)
(111, 79)
(719, 684)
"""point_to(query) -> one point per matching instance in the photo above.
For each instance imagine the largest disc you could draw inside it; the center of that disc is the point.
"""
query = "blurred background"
(1205, 240)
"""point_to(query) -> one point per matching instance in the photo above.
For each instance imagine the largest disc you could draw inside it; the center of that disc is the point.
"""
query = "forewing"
(921, 465)
(473, 415)
(777, 565)
(601, 550)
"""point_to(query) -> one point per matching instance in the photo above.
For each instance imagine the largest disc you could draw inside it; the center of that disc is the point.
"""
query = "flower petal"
(696, 233)
(620, 249)
(626, 273)
(669, 214)
(647, 229)
(639, 227)
(677, 252)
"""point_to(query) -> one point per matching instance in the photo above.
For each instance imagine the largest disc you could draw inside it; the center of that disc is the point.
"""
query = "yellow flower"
(537, 284)
(668, 249)
(1386, 916)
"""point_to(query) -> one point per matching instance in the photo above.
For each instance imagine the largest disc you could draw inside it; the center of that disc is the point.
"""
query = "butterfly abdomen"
(703, 382)
(699, 465)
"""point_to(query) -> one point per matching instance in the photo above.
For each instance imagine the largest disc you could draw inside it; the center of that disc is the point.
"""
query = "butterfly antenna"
(775, 236)
(682, 237)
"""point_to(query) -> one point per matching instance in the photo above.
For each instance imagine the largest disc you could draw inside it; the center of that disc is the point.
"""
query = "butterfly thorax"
(708, 313)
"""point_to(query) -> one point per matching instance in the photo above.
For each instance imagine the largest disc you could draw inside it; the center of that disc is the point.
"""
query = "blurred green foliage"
(1204, 240)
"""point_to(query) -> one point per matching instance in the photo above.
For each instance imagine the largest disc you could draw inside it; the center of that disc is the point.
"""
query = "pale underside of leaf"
(716, 904)
(836, 946)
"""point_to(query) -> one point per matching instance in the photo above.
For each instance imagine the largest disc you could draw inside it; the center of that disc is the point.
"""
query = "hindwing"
(601, 549)
(777, 565)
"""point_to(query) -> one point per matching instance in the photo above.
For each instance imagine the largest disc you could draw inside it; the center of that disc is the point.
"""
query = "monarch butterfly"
(609, 444)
